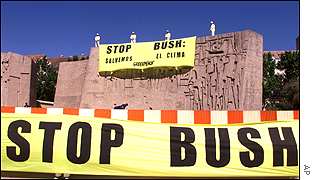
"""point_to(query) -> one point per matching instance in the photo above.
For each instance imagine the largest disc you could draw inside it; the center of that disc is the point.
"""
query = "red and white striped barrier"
(166, 116)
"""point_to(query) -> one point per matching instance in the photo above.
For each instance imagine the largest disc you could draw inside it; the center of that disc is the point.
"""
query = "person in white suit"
(133, 37)
(97, 40)
(167, 35)
(212, 28)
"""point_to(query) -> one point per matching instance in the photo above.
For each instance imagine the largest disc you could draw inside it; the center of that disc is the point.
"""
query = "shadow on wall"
(149, 73)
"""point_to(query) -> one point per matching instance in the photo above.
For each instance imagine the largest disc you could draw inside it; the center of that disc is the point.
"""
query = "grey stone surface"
(18, 78)
(227, 76)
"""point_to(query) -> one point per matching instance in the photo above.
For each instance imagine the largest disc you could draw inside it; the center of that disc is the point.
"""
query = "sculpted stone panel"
(216, 81)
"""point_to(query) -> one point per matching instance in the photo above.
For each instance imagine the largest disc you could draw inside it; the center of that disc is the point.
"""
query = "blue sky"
(68, 28)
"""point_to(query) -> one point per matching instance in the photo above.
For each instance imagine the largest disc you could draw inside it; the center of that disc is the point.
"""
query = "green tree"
(281, 91)
(271, 83)
(46, 80)
(291, 94)
(290, 65)
(75, 58)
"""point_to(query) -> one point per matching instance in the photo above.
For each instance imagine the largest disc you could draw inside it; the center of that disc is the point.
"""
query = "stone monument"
(227, 76)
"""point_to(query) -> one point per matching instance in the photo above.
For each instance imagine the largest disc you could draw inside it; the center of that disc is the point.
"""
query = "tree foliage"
(281, 90)
(290, 64)
(46, 80)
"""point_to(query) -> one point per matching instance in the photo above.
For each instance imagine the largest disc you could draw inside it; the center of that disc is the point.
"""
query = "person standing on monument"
(133, 37)
(212, 28)
(97, 40)
(167, 36)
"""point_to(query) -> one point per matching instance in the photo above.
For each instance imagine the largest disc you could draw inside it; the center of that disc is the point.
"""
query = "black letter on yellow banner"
(73, 142)
(211, 147)
(19, 140)
(176, 144)
(278, 146)
(107, 143)
(49, 135)
(251, 145)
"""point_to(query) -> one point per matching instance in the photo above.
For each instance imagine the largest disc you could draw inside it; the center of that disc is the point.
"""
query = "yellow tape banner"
(95, 146)
(142, 55)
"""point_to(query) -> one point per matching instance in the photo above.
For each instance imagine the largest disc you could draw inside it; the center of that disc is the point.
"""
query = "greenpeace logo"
(146, 63)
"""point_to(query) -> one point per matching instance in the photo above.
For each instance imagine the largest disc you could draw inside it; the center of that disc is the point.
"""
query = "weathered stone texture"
(70, 81)
(18, 78)
(227, 76)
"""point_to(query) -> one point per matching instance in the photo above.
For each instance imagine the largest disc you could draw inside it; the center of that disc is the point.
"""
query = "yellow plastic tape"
(94, 146)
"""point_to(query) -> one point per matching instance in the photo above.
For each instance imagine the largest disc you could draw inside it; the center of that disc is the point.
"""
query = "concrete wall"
(18, 78)
(227, 76)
